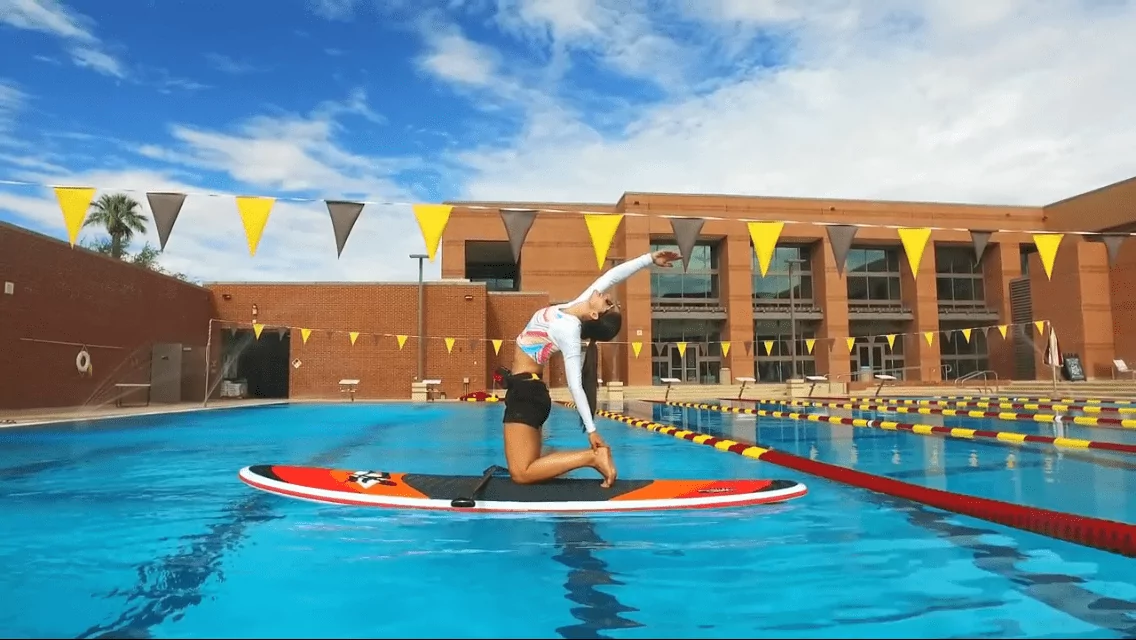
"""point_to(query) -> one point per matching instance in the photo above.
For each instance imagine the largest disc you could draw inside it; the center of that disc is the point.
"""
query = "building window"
(959, 276)
(698, 284)
(958, 356)
(491, 262)
(873, 276)
(774, 287)
(778, 366)
(871, 348)
(702, 359)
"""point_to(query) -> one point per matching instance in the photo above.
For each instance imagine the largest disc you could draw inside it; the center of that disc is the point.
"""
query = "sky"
(402, 101)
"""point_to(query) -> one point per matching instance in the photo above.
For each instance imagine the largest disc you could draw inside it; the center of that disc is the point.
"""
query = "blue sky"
(552, 100)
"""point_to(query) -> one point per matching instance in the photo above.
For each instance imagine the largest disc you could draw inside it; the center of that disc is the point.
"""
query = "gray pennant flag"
(343, 216)
(686, 232)
(980, 240)
(840, 236)
(165, 207)
(1112, 242)
(517, 224)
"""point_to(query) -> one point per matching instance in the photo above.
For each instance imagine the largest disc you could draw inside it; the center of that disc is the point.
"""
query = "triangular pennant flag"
(966, 334)
(1112, 242)
(375, 339)
(601, 228)
(764, 236)
(401, 341)
(1040, 324)
(354, 336)
(75, 202)
(681, 348)
(725, 349)
(810, 343)
(636, 347)
(254, 212)
(165, 208)
(748, 344)
(432, 220)
(343, 216)
(851, 343)
(517, 224)
(914, 242)
(840, 238)
(450, 345)
(256, 329)
(891, 340)
(985, 332)
(473, 342)
(686, 232)
(305, 334)
(768, 347)
(1047, 244)
(497, 346)
(1002, 330)
(280, 331)
(929, 336)
(980, 239)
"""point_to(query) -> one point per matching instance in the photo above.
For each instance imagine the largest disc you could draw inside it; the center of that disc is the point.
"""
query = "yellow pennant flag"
(764, 236)
(602, 228)
(256, 329)
(74, 201)
(636, 347)
(304, 334)
(891, 340)
(254, 212)
(929, 336)
(354, 336)
(851, 343)
(810, 343)
(432, 220)
(1002, 330)
(1047, 244)
(914, 242)
(966, 334)
(449, 345)
(725, 348)
(401, 341)
(1040, 324)
(497, 346)
(681, 349)
(768, 347)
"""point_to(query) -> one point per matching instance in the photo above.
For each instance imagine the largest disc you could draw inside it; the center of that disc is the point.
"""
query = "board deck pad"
(500, 493)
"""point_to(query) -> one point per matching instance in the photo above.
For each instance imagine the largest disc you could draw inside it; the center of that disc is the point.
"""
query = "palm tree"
(121, 216)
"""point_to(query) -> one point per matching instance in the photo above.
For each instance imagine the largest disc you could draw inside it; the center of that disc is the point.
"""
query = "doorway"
(683, 366)
(262, 364)
(869, 355)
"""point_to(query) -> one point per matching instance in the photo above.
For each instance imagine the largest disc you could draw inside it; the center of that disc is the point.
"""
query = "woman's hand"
(665, 258)
(596, 440)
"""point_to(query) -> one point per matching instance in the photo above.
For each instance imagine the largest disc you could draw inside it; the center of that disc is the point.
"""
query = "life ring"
(83, 361)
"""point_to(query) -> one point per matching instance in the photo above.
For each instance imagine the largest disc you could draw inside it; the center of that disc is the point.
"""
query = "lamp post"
(793, 318)
(618, 352)
(421, 329)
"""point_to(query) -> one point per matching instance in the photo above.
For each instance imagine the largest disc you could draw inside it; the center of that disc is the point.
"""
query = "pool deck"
(29, 417)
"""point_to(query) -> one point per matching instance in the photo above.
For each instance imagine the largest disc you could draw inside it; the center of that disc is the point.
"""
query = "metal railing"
(985, 373)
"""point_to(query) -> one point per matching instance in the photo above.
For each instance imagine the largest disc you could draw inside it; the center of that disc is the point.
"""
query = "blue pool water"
(139, 528)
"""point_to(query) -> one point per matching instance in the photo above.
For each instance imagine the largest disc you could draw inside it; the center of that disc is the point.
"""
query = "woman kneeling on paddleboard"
(592, 316)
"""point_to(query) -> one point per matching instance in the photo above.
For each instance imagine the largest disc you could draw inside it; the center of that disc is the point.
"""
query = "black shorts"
(527, 400)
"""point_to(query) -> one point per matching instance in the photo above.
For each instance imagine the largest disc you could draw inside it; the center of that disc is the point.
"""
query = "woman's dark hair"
(603, 329)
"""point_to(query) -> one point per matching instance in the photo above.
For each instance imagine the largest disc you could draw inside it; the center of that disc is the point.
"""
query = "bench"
(349, 386)
(431, 388)
(131, 385)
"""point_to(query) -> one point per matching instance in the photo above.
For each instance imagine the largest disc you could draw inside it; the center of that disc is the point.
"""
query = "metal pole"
(208, 360)
(421, 317)
(792, 324)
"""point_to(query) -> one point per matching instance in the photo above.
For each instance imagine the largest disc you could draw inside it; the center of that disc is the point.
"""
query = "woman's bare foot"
(606, 466)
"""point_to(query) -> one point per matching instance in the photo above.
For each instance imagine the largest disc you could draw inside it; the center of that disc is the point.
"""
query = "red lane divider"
(1098, 533)
(1085, 421)
(921, 429)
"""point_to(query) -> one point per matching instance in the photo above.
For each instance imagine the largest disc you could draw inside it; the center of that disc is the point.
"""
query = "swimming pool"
(139, 527)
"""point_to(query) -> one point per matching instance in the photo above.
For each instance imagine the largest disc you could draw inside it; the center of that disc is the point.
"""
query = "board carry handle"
(470, 502)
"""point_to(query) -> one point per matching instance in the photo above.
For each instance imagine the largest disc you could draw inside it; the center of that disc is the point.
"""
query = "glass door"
(683, 367)
(869, 355)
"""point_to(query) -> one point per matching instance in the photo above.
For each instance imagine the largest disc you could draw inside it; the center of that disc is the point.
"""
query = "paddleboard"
(499, 493)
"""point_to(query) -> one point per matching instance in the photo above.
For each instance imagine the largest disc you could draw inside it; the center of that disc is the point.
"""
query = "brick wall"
(75, 296)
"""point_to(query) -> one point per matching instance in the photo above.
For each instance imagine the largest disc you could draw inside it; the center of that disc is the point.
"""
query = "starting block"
(348, 386)
(744, 382)
(669, 382)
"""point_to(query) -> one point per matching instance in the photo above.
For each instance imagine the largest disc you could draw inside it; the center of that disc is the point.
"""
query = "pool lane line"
(1098, 533)
(1084, 421)
(920, 429)
(1126, 403)
(1028, 406)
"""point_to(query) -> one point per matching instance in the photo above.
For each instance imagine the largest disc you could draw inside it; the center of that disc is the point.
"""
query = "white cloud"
(1010, 102)
(333, 9)
(76, 30)
(455, 58)
(226, 64)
